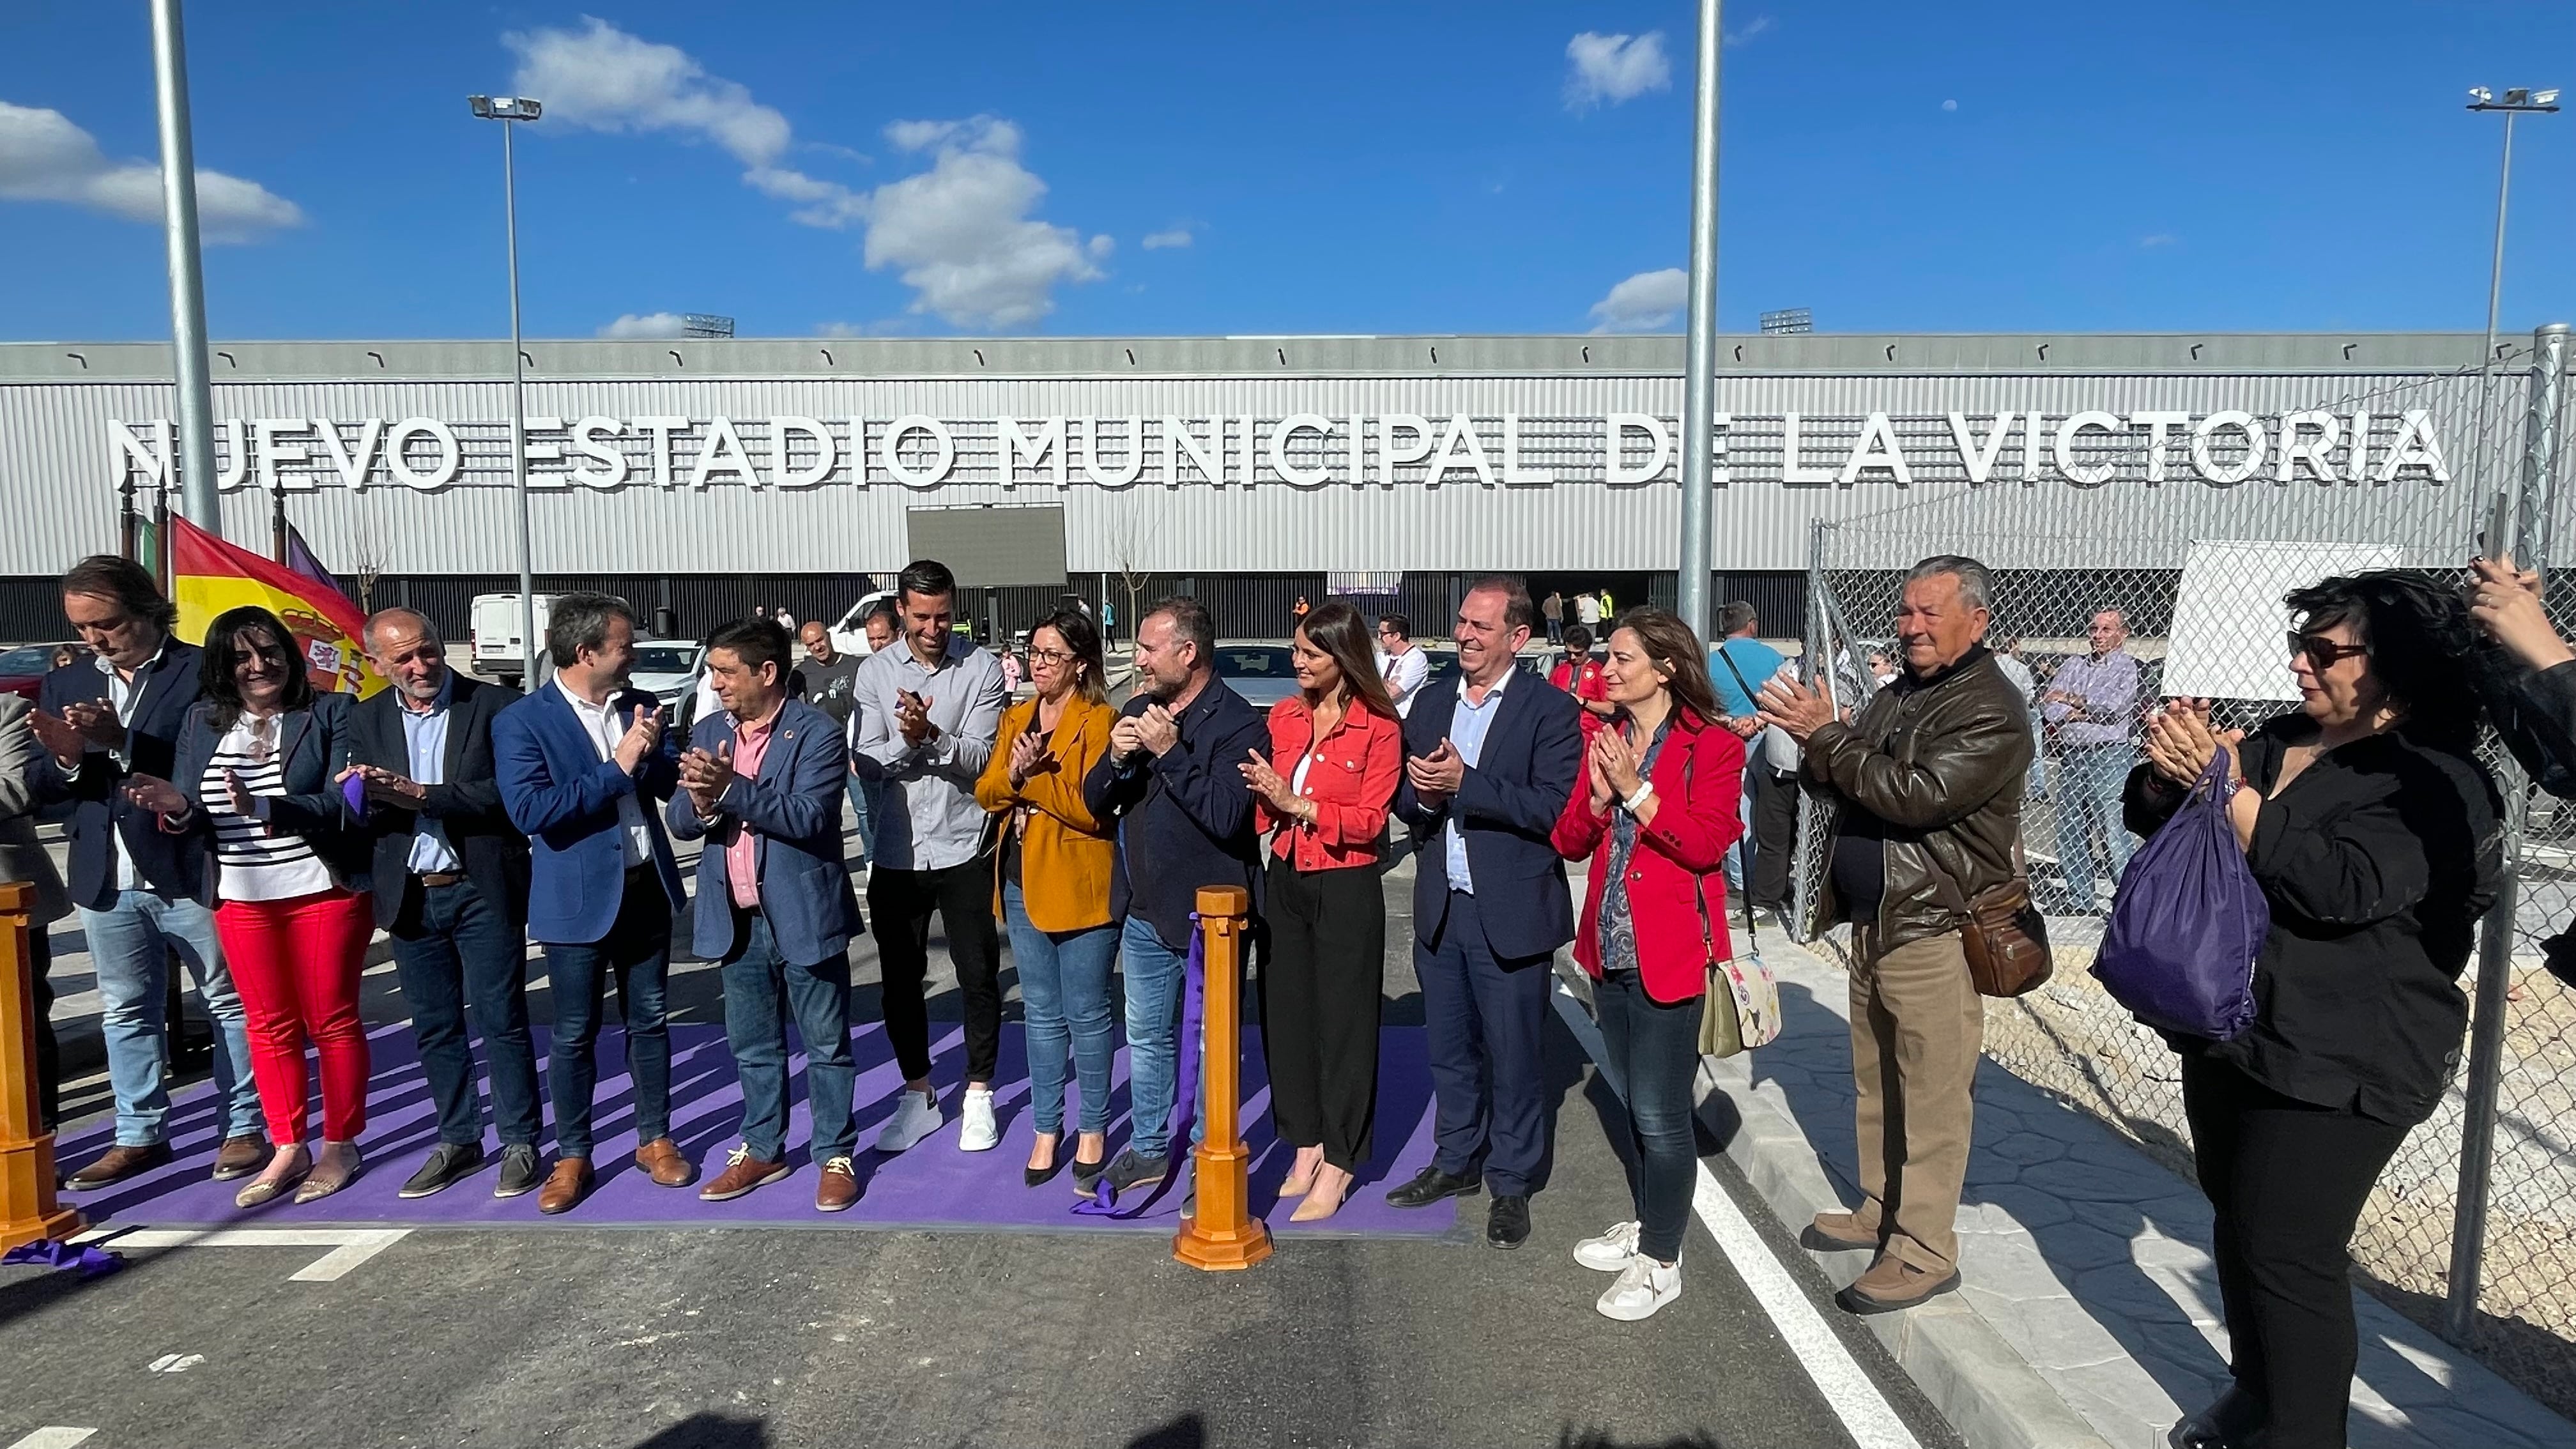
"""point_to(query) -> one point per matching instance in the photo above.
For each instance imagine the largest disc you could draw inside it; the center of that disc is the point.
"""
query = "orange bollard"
(1223, 1233)
(27, 1207)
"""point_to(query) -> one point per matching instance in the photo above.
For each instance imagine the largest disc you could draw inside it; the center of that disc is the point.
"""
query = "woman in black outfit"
(2374, 836)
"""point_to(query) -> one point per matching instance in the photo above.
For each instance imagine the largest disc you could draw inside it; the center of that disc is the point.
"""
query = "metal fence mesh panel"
(2061, 554)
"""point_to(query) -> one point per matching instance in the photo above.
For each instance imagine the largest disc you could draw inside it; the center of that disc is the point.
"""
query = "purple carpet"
(932, 1186)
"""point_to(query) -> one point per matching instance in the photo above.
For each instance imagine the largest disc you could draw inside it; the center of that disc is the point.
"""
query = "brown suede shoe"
(741, 1174)
(837, 1188)
(1838, 1233)
(117, 1164)
(1892, 1284)
(566, 1186)
(240, 1156)
(661, 1157)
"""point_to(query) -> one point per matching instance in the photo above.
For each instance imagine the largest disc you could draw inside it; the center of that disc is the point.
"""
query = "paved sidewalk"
(2084, 1260)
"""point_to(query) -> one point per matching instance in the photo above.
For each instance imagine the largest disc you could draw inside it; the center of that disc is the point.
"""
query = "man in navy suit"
(762, 785)
(138, 888)
(451, 876)
(1493, 755)
(581, 764)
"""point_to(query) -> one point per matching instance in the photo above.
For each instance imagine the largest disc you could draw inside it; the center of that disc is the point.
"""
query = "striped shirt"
(256, 861)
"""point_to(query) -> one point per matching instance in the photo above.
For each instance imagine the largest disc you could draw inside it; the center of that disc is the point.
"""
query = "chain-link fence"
(2340, 474)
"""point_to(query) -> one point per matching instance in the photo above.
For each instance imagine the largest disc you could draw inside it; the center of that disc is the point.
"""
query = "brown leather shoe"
(119, 1163)
(240, 1156)
(1892, 1284)
(742, 1173)
(566, 1186)
(1838, 1233)
(661, 1157)
(837, 1188)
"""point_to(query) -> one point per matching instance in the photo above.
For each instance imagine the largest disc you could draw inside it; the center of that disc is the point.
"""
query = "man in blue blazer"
(581, 763)
(762, 785)
(1493, 755)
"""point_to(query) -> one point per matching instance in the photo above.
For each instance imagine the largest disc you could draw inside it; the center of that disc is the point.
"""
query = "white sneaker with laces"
(1609, 1252)
(915, 1116)
(979, 1134)
(1643, 1287)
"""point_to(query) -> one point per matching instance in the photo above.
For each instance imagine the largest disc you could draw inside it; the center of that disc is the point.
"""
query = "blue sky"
(1308, 167)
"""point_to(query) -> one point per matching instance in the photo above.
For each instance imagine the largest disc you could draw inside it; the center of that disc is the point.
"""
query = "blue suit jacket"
(1506, 807)
(175, 864)
(793, 810)
(559, 792)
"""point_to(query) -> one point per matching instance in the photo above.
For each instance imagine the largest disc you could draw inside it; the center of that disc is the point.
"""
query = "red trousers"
(296, 964)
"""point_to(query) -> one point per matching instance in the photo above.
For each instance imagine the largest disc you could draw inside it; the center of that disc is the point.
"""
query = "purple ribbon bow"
(90, 1261)
(1185, 1094)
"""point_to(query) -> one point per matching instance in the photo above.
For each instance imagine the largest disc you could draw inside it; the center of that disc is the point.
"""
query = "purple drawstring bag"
(2188, 921)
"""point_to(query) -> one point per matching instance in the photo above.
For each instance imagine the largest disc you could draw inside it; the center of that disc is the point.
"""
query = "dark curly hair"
(2422, 646)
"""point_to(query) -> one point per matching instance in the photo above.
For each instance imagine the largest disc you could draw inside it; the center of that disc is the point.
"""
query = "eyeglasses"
(1051, 656)
(2322, 652)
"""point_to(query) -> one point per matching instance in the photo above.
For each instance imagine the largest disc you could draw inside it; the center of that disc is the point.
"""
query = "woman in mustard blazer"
(1051, 886)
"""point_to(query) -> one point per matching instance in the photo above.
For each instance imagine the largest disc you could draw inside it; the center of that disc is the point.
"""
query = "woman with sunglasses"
(2373, 834)
(1051, 887)
(256, 762)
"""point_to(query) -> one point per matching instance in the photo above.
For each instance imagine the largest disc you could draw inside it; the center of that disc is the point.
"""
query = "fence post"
(28, 1210)
(2529, 523)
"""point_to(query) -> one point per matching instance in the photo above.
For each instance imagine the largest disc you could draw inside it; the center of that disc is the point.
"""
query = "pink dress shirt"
(742, 857)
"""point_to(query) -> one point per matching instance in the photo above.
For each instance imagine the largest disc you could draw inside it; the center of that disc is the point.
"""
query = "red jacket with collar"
(1352, 782)
(1674, 872)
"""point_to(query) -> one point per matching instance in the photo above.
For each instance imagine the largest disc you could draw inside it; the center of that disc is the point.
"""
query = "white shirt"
(1404, 674)
(256, 861)
(1468, 725)
(599, 721)
(1587, 609)
(123, 696)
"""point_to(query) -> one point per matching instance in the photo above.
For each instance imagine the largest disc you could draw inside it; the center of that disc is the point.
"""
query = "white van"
(498, 651)
(849, 636)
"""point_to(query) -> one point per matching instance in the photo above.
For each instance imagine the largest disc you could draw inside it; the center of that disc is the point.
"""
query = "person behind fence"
(116, 711)
(2091, 708)
(1182, 821)
(2008, 659)
(1654, 815)
(257, 775)
(1491, 759)
(761, 785)
(1051, 889)
(26, 783)
(1925, 806)
(451, 892)
(2374, 836)
(1740, 664)
(1323, 981)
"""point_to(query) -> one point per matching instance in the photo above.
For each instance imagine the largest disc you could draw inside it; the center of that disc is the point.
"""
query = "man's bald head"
(817, 640)
(406, 649)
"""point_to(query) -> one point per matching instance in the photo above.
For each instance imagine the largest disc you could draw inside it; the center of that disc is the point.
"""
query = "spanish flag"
(208, 576)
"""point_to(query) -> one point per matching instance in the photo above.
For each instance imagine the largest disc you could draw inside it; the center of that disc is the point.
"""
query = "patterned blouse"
(1618, 921)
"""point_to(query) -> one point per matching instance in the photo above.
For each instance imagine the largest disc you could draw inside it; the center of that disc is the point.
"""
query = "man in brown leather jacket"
(1925, 788)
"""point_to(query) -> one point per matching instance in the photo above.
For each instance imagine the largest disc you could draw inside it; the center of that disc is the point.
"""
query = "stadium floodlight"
(2480, 94)
(2517, 100)
(506, 110)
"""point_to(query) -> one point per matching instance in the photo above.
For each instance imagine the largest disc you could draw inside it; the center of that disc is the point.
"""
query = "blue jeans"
(129, 948)
(2089, 781)
(455, 954)
(761, 989)
(1064, 997)
(636, 953)
(1154, 979)
(1653, 1050)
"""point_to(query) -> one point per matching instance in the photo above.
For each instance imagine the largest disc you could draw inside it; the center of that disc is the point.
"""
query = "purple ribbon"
(354, 790)
(1185, 1090)
(88, 1260)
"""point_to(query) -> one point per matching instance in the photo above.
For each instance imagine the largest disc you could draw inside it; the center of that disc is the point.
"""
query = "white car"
(665, 667)
(497, 651)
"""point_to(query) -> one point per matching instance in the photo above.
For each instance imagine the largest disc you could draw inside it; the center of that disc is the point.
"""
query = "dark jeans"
(454, 954)
(1321, 986)
(901, 901)
(49, 1052)
(637, 953)
(1775, 835)
(1482, 1015)
(761, 989)
(2288, 1180)
(1654, 1051)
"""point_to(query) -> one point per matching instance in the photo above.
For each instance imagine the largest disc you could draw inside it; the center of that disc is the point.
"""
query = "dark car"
(24, 667)
(1263, 674)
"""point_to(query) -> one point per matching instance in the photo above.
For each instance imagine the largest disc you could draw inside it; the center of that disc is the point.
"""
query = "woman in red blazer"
(1656, 817)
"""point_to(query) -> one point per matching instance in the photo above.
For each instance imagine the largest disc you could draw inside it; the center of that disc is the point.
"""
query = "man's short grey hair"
(1976, 586)
(2111, 609)
(580, 621)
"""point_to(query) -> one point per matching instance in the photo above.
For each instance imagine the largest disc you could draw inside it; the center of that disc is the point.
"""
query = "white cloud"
(646, 324)
(1157, 240)
(1949, 105)
(1745, 36)
(960, 233)
(44, 157)
(1646, 302)
(2159, 239)
(1614, 68)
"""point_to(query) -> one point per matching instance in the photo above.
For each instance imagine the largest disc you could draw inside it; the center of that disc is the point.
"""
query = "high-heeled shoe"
(1317, 1205)
(1301, 1179)
(1041, 1176)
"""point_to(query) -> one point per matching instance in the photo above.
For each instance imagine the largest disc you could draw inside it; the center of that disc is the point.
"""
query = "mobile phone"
(2495, 545)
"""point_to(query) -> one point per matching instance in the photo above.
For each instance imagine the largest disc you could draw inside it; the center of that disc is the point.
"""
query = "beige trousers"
(1916, 1026)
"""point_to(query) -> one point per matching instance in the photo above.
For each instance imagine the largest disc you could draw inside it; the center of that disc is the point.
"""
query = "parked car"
(1263, 674)
(848, 637)
(666, 667)
(498, 650)
(23, 668)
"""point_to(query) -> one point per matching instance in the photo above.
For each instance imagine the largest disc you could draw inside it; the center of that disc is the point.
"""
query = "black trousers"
(2288, 1180)
(1775, 835)
(49, 1051)
(1322, 984)
(902, 901)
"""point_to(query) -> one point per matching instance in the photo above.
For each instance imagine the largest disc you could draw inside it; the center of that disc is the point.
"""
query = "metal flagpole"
(1699, 386)
(519, 423)
(196, 460)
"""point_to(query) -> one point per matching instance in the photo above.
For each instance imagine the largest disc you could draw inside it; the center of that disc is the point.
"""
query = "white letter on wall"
(2084, 475)
(1793, 472)
(1461, 435)
(1120, 477)
(2416, 447)
(451, 458)
(1979, 458)
(1315, 477)
(943, 460)
(356, 464)
(266, 433)
(1415, 448)
(2316, 452)
(661, 430)
(1877, 448)
(133, 456)
(1018, 447)
(827, 454)
(1180, 442)
(2356, 453)
(236, 452)
(2204, 460)
(722, 453)
(591, 435)
(2158, 426)
(1615, 448)
(1513, 472)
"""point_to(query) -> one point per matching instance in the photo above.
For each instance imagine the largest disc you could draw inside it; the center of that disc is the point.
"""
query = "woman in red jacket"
(1341, 742)
(1656, 816)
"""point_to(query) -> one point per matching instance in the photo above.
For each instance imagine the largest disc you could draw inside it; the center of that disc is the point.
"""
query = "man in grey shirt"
(829, 680)
(2090, 707)
(928, 713)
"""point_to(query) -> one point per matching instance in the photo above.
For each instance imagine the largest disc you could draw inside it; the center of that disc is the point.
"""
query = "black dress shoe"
(520, 1171)
(2236, 1421)
(448, 1164)
(1507, 1221)
(1430, 1185)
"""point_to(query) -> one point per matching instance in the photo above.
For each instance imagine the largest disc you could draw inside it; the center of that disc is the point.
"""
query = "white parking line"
(349, 1246)
(1846, 1387)
(53, 1436)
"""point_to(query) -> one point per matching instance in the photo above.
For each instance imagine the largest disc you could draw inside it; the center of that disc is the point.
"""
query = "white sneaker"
(1609, 1252)
(979, 1134)
(916, 1116)
(1644, 1286)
